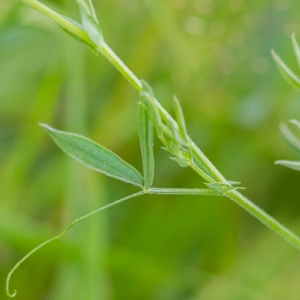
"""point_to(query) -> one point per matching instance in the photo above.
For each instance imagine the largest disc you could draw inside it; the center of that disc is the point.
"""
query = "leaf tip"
(46, 127)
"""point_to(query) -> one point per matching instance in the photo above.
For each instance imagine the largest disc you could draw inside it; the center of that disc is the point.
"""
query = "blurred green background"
(215, 56)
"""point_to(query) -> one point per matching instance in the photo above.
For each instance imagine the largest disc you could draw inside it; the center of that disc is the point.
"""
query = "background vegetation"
(215, 56)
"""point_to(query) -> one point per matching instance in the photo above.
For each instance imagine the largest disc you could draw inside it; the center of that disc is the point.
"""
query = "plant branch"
(265, 218)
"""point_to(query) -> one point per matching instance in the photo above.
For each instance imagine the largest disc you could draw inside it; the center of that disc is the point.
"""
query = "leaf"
(220, 187)
(146, 144)
(78, 38)
(148, 101)
(295, 165)
(296, 49)
(290, 77)
(90, 21)
(95, 156)
(293, 141)
(182, 161)
(180, 119)
(68, 25)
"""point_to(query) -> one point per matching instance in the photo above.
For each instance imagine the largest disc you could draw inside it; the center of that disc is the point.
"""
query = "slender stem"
(178, 191)
(265, 218)
(111, 56)
(200, 172)
(14, 293)
(207, 163)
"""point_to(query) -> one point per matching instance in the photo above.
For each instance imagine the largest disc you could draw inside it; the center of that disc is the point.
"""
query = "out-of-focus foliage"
(215, 55)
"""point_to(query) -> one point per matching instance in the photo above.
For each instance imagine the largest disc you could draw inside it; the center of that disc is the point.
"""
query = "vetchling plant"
(294, 81)
(172, 133)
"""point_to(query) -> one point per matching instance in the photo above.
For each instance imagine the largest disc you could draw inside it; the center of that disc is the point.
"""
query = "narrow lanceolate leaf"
(90, 21)
(295, 165)
(146, 144)
(148, 101)
(290, 77)
(293, 141)
(95, 156)
(296, 49)
(220, 188)
(180, 119)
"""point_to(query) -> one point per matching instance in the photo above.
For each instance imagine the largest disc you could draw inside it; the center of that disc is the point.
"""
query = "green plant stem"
(257, 212)
(265, 218)
(111, 56)
(178, 191)
(14, 293)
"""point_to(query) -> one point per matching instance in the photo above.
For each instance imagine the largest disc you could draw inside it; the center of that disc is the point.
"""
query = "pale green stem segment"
(14, 293)
(265, 218)
(178, 191)
(111, 56)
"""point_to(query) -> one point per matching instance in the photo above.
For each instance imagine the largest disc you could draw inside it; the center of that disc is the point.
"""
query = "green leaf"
(182, 161)
(296, 49)
(293, 141)
(148, 101)
(68, 25)
(146, 144)
(290, 77)
(78, 38)
(90, 21)
(220, 187)
(95, 156)
(295, 165)
(180, 119)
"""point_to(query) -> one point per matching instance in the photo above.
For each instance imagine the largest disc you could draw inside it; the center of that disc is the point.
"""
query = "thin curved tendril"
(14, 293)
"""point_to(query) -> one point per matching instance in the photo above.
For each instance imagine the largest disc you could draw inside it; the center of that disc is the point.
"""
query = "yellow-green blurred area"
(215, 56)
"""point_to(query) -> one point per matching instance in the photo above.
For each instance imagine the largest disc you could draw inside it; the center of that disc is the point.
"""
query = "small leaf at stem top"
(95, 156)
(290, 77)
(90, 21)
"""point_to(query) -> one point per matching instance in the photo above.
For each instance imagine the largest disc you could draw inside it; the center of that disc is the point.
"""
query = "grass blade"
(95, 156)
(290, 77)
